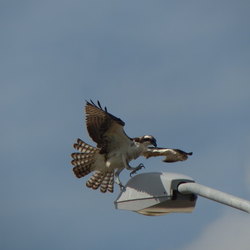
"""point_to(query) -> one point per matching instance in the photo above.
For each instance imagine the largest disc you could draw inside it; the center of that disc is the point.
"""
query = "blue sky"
(176, 70)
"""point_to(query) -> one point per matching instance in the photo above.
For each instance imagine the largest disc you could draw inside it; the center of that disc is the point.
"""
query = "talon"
(140, 166)
(122, 188)
(133, 172)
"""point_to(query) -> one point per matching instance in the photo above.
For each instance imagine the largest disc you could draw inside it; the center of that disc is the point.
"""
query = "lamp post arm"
(215, 195)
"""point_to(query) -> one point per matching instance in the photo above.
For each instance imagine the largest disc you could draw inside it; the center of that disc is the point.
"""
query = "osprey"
(114, 150)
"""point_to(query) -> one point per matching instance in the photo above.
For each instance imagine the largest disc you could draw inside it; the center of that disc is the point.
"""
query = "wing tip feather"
(97, 106)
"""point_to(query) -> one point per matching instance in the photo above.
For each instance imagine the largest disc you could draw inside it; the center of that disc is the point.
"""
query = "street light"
(160, 193)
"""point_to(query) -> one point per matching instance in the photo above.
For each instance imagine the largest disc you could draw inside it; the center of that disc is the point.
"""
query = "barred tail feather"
(108, 182)
(104, 180)
(84, 147)
(82, 170)
(83, 161)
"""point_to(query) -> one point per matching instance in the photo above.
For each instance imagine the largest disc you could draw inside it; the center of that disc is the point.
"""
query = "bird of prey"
(114, 150)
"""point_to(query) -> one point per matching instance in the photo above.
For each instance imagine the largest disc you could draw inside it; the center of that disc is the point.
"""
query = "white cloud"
(231, 231)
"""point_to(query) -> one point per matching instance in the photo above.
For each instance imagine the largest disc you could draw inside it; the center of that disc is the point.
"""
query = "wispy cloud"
(230, 231)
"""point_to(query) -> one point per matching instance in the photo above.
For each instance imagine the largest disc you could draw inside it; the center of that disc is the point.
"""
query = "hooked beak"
(154, 143)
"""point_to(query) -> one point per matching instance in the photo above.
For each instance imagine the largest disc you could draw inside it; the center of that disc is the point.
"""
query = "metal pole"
(215, 195)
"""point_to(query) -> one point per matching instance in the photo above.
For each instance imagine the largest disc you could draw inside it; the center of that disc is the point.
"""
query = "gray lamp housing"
(156, 194)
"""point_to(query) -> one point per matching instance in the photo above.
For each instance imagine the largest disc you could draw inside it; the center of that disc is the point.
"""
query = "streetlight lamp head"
(156, 194)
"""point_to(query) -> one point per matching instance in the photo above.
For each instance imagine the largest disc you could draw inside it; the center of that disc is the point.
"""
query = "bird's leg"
(140, 166)
(117, 179)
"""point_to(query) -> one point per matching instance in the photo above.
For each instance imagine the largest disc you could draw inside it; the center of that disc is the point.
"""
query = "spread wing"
(171, 155)
(104, 128)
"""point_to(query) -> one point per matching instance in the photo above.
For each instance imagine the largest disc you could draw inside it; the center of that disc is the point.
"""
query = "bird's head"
(148, 140)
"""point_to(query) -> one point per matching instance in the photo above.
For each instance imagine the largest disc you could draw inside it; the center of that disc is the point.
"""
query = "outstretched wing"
(103, 127)
(171, 155)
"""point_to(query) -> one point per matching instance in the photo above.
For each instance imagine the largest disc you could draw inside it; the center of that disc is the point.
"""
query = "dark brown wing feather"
(171, 155)
(99, 121)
